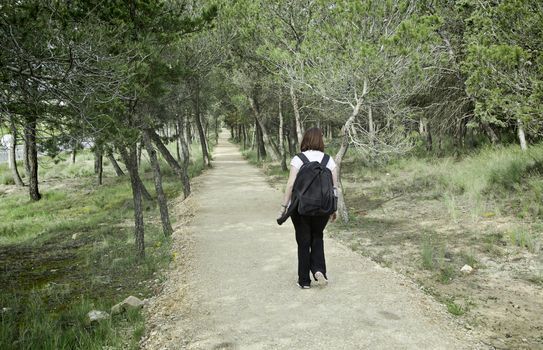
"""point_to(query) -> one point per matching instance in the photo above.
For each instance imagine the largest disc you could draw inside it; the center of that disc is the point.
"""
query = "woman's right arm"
(290, 184)
(288, 191)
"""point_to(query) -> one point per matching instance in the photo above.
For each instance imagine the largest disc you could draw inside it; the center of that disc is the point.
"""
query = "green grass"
(50, 279)
(469, 259)
(433, 258)
(67, 330)
(522, 237)
(427, 255)
(252, 157)
(491, 181)
(454, 308)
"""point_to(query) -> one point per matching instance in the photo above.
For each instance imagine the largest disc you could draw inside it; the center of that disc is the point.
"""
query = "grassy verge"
(503, 179)
(72, 252)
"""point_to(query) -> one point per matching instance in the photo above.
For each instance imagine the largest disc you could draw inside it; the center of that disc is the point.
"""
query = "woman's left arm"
(336, 189)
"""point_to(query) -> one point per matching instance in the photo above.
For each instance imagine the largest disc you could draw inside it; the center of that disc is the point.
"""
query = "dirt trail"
(236, 288)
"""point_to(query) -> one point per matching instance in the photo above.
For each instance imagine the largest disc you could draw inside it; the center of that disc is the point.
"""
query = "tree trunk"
(161, 197)
(341, 207)
(297, 119)
(291, 147)
(245, 137)
(521, 135)
(188, 134)
(371, 126)
(177, 143)
(13, 156)
(490, 132)
(422, 127)
(294, 144)
(164, 151)
(100, 168)
(130, 158)
(253, 137)
(75, 143)
(203, 143)
(269, 146)
(26, 163)
(140, 148)
(98, 162)
(281, 139)
(185, 158)
(32, 154)
(125, 158)
(260, 147)
(216, 129)
(114, 163)
(460, 135)
(429, 140)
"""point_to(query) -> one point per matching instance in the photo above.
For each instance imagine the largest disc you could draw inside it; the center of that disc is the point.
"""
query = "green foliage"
(502, 73)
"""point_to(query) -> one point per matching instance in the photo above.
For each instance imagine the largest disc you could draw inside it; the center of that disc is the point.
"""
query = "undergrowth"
(73, 251)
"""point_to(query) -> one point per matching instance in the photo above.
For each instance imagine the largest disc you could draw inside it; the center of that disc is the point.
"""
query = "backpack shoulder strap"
(303, 158)
(325, 160)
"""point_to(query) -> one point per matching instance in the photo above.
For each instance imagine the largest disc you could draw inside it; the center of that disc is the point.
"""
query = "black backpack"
(314, 189)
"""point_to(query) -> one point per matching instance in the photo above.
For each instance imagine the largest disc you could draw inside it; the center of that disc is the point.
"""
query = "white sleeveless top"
(313, 156)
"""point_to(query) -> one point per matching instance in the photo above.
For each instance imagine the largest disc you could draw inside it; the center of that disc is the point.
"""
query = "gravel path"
(234, 285)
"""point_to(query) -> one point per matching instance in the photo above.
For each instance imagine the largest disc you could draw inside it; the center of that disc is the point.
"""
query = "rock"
(96, 316)
(466, 269)
(129, 303)
(132, 303)
(117, 309)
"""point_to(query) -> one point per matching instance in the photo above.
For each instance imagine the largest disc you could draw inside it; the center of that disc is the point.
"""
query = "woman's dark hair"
(312, 140)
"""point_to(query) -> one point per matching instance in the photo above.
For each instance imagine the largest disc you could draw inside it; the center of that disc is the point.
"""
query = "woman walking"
(309, 229)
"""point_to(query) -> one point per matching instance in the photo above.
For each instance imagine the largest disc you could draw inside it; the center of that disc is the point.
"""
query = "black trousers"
(309, 231)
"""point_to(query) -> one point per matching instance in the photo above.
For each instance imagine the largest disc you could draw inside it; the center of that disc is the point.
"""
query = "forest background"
(432, 110)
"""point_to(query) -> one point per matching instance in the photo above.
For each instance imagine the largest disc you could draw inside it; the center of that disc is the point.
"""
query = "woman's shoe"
(321, 280)
(302, 286)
